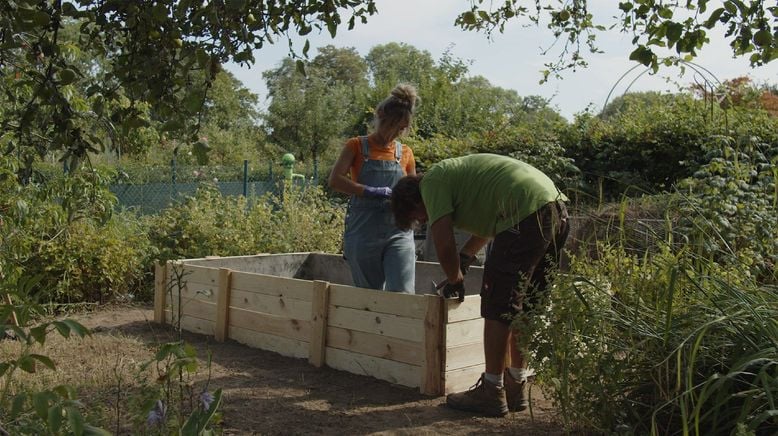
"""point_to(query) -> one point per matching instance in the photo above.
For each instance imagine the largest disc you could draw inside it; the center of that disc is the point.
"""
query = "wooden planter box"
(303, 305)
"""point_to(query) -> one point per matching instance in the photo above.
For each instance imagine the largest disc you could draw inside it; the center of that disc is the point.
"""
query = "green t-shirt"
(485, 193)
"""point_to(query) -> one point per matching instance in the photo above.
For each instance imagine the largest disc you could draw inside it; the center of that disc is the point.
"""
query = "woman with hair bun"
(380, 255)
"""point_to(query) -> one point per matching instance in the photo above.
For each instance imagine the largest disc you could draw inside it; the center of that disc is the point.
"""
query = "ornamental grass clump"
(664, 344)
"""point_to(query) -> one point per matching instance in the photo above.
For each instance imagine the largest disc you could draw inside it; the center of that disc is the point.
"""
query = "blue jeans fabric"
(380, 255)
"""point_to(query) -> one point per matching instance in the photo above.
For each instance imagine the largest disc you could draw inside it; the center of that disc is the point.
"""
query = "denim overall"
(380, 255)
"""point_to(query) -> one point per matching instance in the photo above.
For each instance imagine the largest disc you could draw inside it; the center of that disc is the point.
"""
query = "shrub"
(666, 344)
(209, 224)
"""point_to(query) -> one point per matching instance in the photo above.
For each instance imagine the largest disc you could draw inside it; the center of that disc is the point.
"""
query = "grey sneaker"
(483, 397)
(515, 392)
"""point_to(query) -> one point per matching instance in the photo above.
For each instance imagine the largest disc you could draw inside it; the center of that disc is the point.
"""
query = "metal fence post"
(245, 177)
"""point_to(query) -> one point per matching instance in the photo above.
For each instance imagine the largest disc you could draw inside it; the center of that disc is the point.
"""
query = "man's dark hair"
(406, 199)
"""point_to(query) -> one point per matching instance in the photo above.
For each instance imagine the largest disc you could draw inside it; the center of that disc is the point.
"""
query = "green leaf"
(469, 18)
(763, 38)
(18, 405)
(4, 367)
(642, 54)
(66, 76)
(90, 430)
(730, 7)
(300, 67)
(54, 419)
(714, 17)
(666, 13)
(76, 327)
(674, 32)
(40, 401)
(44, 360)
(62, 328)
(171, 125)
(200, 150)
(27, 364)
(75, 420)
(193, 101)
(39, 333)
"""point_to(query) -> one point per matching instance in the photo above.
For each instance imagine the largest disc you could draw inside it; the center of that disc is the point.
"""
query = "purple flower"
(157, 414)
(206, 398)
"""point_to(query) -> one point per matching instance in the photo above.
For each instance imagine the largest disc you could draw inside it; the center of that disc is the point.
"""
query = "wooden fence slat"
(432, 382)
(380, 323)
(269, 324)
(408, 306)
(466, 310)
(223, 305)
(391, 371)
(272, 285)
(160, 291)
(319, 315)
(272, 304)
(371, 344)
(465, 332)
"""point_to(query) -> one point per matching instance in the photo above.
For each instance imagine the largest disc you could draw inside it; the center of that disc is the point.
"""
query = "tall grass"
(666, 342)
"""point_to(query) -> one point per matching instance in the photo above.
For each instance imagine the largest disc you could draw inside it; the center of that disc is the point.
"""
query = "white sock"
(521, 374)
(495, 379)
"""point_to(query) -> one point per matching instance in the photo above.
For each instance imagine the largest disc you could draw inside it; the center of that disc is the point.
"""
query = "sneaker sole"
(466, 408)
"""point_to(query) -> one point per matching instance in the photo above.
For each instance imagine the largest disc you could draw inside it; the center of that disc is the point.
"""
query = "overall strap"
(398, 151)
(365, 148)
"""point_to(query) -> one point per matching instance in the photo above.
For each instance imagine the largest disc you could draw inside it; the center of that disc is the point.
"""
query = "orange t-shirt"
(407, 161)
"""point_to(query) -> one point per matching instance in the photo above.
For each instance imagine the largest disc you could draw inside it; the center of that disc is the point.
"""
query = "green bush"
(209, 224)
(649, 146)
(663, 344)
(732, 205)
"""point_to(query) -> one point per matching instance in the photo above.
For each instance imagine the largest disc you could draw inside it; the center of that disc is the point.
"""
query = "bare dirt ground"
(265, 393)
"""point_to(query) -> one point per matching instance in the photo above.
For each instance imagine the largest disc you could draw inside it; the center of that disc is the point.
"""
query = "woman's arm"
(339, 179)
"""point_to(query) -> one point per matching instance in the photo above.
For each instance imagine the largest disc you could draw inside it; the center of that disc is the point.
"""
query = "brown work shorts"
(518, 263)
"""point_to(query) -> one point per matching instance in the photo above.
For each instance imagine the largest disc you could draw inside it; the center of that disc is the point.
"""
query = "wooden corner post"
(432, 382)
(160, 291)
(319, 314)
(221, 328)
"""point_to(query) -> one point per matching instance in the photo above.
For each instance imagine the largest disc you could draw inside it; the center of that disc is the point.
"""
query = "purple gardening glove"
(378, 192)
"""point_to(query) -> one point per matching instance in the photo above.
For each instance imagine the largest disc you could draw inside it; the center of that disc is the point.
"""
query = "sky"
(513, 59)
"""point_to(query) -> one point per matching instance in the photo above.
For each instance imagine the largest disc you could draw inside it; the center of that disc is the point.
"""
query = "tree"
(654, 25)
(164, 54)
(306, 112)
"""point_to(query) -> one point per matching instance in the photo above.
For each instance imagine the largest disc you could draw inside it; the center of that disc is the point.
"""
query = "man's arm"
(474, 245)
(446, 248)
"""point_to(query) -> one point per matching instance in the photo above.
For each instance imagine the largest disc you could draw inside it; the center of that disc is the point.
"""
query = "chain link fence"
(150, 190)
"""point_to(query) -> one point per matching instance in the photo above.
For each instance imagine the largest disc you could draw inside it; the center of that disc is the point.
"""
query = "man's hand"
(465, 261)
(451, 290)
(377, 192)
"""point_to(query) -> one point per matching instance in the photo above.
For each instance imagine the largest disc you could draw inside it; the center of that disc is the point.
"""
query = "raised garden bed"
(303, 305)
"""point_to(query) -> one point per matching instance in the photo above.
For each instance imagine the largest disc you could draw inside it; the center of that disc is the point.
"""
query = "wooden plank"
(319, 311)
(465, 332)
(223, 305)
(269, 324)
(194, 325)
(468, 309)
(196, 282)
(432, 382)
(371, 344)
(273, 285)
(463, 356)
(277, 344)
(193, 307)
(379, 323)
(272, 304)
(197, 274)
(405, 305)
(393, 372)
(462, 379)
(160, 291)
